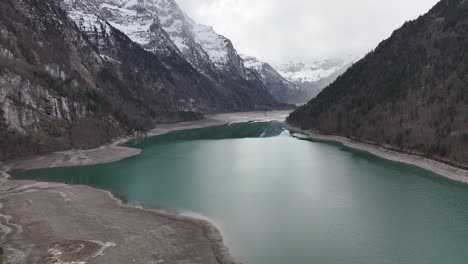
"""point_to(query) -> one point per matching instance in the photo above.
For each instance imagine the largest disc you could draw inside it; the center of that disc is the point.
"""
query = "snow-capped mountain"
(160, 26)
(282, 89)
(315, 76)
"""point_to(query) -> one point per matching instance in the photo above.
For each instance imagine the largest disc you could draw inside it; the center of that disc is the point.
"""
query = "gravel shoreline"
(58, 223)
(113, 152)
(442, 169)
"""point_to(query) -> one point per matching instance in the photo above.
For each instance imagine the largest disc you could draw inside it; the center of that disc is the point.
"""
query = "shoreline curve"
(439, 168)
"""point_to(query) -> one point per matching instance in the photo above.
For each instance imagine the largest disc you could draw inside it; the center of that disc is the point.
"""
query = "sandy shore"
(439, 168)
(72, 224)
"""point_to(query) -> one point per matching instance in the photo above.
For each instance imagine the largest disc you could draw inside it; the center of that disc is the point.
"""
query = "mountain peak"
(201, 45)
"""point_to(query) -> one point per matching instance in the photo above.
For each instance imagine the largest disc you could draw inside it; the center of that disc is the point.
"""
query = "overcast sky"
(280, 30)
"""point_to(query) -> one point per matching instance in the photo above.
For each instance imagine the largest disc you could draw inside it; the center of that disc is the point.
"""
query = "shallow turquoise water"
(283, 200)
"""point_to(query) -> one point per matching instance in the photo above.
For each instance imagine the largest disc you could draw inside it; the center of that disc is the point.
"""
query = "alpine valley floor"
(59, 223)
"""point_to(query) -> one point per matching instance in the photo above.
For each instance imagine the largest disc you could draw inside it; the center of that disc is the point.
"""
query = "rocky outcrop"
(409, 94)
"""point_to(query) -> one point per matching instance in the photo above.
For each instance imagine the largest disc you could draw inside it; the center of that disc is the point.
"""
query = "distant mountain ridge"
(297, 82)
(282, 89)
(301, 72)
(313, 77)
(408, 94)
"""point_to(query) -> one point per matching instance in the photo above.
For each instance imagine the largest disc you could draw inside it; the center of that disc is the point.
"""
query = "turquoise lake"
(282, 200)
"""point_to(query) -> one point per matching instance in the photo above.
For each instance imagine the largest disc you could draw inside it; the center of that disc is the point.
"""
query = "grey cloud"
(278, 30)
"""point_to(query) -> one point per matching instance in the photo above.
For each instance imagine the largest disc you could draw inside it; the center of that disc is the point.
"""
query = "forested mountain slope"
(410, 93)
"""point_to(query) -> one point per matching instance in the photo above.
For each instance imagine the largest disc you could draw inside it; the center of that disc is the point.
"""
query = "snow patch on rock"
(215, 45)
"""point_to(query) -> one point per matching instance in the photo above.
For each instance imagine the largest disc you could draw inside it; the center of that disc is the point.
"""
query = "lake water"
(282, 200)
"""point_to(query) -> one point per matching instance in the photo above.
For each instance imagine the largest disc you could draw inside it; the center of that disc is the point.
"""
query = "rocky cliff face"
(39, 74)
(408, 94)
(72, 80)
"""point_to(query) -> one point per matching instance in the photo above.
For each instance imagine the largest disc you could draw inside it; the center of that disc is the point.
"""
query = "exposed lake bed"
(278, 199)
